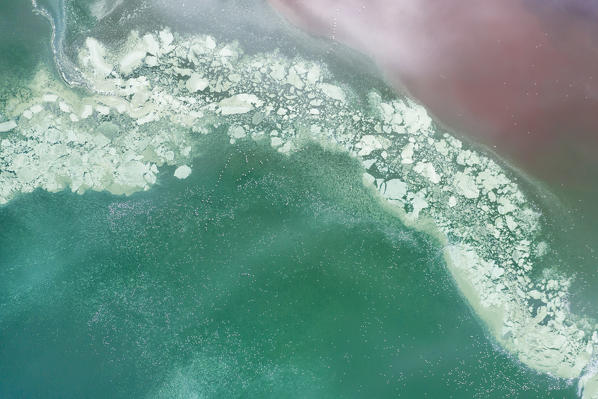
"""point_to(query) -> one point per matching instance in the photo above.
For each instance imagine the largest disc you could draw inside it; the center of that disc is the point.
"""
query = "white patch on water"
(588, 382)
(7, 126)
(117, 140)
(100, 9)
(225, 374)
(182, 172)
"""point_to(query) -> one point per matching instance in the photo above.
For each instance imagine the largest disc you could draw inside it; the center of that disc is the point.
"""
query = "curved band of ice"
(154, 95)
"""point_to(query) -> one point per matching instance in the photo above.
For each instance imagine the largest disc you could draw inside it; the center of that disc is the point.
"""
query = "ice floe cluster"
(157, 93)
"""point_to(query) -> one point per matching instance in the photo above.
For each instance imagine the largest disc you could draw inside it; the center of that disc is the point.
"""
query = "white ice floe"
(333, 91)
(394, 189)
(239, 104)
(196, 82)
(182, 172)
(466, 185)
(369, 143)
(7, 126)
(427, 170)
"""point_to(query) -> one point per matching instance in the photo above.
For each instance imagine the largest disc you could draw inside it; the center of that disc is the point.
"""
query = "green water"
(259, 276)
(24, 42)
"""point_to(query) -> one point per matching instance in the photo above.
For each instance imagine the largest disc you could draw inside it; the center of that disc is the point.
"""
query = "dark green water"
(259, 276)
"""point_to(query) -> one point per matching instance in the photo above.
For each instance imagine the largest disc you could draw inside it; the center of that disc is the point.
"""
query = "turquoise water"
(261, 276)
(24, 44)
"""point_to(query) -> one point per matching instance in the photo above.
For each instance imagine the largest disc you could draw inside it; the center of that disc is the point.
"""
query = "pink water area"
(517, 75)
